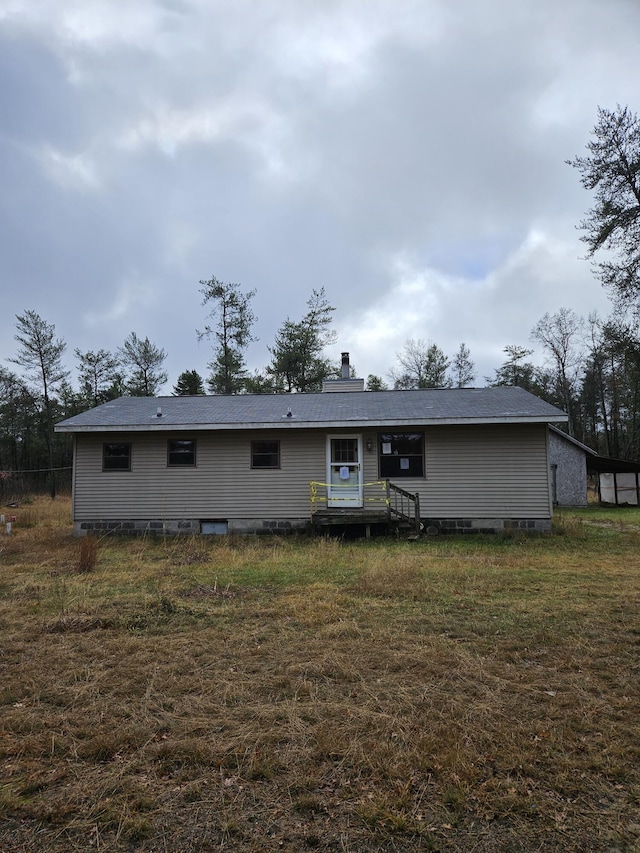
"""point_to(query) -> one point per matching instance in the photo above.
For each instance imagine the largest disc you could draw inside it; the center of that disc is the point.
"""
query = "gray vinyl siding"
(488, 471)
(492, 471)
(222, 485)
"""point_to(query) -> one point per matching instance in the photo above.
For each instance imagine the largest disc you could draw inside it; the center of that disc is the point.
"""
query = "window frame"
(182, 464)
(105, 456)
(254, 452)
(385, 437)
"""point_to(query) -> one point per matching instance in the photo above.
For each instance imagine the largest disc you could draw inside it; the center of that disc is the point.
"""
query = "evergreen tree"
(515, 370)
(98, 376)
(612, 226)
(421, 366)
(297, 360)
(40, 355)
(463, 369)
(260, 382)
(232, 334)
(142, 362)
(19, 414)
(189, 384)
(375, 383)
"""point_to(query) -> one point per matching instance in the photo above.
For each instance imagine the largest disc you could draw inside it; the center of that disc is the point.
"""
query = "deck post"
(388, 486)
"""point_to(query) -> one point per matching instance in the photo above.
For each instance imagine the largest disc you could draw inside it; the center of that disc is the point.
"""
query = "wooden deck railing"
(404, 506)
(374, 495)
(380, 495)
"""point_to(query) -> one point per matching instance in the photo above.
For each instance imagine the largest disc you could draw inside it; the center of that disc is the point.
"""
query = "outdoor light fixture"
(369, 445)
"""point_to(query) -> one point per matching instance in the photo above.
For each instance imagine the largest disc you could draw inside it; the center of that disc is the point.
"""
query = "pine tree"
(98, 376)
(422, 365)
(189, 384)
(297, 360)
(231, 334)
(612, 226)
(40, 354)
(463, 372)
(144, 362)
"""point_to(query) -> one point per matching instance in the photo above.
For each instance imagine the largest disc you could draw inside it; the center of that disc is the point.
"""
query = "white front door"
(344, 471)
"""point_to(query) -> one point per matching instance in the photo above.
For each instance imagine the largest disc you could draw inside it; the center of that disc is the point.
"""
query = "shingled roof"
(422, 407)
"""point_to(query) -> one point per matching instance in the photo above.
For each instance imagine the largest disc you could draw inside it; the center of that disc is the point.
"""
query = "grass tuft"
(88, 556)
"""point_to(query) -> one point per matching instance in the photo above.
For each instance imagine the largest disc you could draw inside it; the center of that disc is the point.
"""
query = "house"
(463, 460)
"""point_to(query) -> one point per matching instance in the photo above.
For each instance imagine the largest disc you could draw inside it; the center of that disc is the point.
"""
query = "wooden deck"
(383, 504)
(328, 517)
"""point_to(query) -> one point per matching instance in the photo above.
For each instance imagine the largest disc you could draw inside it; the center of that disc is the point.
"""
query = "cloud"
(73, 172)
(408, 157)
(487, 314)
(133, 296)
(252, 125)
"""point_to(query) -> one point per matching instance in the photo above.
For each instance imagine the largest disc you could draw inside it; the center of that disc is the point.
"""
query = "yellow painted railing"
(398, 504)
(372, 493)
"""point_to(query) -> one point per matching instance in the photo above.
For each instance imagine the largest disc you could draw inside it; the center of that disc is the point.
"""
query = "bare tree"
(561, 336)
(422, 365)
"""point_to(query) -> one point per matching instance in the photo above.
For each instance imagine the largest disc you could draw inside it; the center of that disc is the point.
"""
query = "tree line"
(590, 366)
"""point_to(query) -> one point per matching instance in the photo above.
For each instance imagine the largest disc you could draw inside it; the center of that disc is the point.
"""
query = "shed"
(569, 460)
(618, 479)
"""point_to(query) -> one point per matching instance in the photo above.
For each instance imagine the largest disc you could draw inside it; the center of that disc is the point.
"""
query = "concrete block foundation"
(189, 526)
(254, 526)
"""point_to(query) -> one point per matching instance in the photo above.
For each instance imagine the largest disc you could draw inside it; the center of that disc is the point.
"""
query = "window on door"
(344, 450)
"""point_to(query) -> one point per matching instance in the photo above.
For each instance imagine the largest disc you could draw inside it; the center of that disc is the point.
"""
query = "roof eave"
(293, 424)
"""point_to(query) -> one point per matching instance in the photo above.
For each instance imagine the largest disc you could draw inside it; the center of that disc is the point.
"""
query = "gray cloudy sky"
(407, 155)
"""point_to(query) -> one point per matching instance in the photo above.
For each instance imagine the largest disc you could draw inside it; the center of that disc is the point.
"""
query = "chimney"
(345, 383)
(345, 366)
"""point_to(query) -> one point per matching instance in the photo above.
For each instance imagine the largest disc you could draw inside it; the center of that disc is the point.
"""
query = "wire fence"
(15, 485)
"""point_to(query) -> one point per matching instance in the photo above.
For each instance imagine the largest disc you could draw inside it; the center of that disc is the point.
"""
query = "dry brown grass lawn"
(207, 694)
